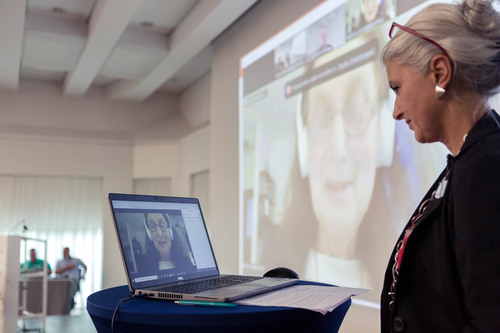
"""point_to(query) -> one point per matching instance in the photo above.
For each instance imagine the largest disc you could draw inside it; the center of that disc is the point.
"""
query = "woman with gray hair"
(444, 273)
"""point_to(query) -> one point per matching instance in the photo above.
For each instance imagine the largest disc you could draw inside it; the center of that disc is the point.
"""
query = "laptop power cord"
(118, 305)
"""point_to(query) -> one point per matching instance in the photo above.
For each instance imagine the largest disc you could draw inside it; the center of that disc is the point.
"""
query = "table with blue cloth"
(150, 315)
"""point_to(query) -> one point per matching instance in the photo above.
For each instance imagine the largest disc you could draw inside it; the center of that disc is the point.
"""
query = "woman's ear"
(440, 67)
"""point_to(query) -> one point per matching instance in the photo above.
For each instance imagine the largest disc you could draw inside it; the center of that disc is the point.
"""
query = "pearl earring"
(439, 91)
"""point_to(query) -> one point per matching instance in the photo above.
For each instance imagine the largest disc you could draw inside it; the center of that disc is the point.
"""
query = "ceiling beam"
(107, 23)
(200, 27)
(12, 17)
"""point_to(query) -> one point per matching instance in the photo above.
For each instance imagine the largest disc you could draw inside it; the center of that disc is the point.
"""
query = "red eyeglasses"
(413, 32)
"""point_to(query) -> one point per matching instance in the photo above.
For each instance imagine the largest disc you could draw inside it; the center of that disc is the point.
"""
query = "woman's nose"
(397, 114)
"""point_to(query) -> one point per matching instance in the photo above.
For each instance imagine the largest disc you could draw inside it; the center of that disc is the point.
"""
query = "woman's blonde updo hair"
(468, 31)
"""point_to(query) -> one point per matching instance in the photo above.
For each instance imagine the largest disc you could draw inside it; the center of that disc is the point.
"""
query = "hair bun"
(482, 18)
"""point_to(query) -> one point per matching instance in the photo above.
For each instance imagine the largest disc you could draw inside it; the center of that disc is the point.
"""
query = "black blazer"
(449, 278)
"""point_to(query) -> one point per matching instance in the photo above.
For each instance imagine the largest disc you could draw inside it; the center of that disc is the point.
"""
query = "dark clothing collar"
(487, 125)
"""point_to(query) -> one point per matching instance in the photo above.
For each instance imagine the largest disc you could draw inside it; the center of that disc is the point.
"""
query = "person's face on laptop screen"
(160, 234)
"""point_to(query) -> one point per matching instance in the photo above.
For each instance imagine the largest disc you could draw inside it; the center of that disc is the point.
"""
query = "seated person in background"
(34, 264)
(69, 267)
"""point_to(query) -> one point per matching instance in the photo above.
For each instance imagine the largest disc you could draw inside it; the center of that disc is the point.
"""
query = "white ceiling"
(128, 48)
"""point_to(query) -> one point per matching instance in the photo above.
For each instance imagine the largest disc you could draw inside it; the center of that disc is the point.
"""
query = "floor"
(77, 322)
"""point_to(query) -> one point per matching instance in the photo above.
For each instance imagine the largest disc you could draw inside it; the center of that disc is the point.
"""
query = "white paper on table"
(321, 299)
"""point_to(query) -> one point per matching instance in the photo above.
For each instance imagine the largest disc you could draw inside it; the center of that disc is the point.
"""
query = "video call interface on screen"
(163, 241)
(328, 178)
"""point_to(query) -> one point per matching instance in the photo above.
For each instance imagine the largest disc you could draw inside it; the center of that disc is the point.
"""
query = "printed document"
(321, 299)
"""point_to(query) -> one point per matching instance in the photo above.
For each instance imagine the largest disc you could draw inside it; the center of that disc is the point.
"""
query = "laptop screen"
(162, 239)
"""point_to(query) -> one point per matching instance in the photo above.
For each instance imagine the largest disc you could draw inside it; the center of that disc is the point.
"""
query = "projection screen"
(328, 179)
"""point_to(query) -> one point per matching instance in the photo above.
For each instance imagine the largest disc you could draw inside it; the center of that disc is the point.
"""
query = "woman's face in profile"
(159, 234)
(342, 127)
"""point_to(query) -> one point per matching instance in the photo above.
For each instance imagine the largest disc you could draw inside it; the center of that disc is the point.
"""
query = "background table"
(60, 292)
(148, 315)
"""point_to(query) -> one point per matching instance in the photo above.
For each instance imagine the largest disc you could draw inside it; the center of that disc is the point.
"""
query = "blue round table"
(149, 315)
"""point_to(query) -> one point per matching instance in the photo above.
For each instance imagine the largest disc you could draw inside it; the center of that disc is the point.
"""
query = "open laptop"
(166, 250)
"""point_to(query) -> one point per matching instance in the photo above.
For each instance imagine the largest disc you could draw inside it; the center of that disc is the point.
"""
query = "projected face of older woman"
(160, 235)
(342, 127)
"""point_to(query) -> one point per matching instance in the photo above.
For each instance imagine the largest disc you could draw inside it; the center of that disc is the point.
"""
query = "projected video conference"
(328, 178)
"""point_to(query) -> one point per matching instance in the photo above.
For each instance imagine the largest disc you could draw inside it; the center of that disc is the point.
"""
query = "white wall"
(194, 157)
(194, 103)
(175, 160)
(157, 160)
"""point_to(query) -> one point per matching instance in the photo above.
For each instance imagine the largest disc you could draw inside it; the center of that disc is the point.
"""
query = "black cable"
(116, 311)
(118, 305)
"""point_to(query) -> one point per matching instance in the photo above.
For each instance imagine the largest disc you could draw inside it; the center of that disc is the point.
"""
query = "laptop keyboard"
(216, 282)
